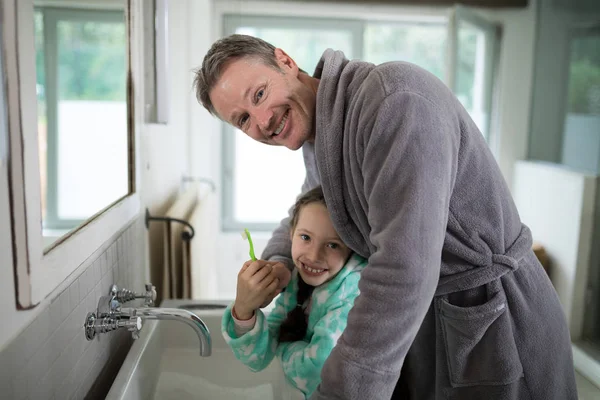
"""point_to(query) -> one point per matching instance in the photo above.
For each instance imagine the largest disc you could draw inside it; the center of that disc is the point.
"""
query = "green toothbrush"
(246, 236)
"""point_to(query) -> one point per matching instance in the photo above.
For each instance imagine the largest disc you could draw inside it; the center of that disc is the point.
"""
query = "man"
(453, 296)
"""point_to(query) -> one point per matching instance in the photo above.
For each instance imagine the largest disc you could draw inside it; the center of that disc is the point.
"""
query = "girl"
(309, 317)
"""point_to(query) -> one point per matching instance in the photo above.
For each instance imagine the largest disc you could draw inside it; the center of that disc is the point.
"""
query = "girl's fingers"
(268, 281)
(273, 287)
(261, 274)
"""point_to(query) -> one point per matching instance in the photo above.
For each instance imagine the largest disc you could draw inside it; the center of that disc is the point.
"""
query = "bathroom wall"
(167, 150)
(50, 358)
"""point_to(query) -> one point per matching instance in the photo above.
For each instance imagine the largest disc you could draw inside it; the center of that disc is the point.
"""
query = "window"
(64, 59)
(422, 40)
(82, 114)
(581, 129)
(476, 50)
(581, 150)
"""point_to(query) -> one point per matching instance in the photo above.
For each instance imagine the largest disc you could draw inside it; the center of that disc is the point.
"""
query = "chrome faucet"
(175, 314)
(125, 295)
(110, 316)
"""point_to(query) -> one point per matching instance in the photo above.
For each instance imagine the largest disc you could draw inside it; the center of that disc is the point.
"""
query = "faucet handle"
(150, 296)
(133, 325)
(124, 295)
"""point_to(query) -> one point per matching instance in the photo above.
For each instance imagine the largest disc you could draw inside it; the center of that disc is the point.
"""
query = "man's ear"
(284, 61)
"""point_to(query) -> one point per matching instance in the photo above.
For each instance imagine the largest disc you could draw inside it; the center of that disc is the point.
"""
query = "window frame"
(40, 271)
(351, 15)
(493, 40)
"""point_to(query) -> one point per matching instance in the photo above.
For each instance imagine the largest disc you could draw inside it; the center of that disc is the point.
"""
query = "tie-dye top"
(302, 361)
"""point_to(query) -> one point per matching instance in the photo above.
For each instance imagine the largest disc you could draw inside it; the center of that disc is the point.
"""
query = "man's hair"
(223, 51)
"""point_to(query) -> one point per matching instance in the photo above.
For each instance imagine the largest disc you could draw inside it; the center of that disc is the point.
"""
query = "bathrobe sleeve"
(302, 360)
(407, 172)
(257, 347)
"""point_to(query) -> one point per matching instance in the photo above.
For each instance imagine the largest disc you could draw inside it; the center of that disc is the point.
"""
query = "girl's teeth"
(314, 271)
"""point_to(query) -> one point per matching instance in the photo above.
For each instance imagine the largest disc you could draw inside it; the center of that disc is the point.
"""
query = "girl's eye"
(304, 237)
(259, 94)
(333, 245)
(243, 120)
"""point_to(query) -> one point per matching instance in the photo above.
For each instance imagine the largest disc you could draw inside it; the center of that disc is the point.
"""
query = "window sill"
(58, 264)
(587, 361)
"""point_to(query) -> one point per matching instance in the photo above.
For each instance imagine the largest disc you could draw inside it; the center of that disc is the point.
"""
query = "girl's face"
(317, 250)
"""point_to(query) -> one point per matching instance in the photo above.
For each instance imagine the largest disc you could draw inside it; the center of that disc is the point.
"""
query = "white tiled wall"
(51, 359)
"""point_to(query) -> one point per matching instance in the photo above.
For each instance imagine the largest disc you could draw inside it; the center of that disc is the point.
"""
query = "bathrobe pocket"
(480, 346)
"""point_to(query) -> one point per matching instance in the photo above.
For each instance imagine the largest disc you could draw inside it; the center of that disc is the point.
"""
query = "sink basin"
(164, 364)
(195, 307)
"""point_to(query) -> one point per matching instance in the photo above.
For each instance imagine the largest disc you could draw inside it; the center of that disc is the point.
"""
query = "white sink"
(164, 363)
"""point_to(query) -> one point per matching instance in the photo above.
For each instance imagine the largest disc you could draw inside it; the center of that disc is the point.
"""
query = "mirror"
(81, 66)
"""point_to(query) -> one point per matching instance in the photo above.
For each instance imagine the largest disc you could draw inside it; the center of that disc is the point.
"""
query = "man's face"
(270, 106)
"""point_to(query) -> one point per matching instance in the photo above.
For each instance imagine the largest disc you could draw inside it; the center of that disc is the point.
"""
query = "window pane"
(305, 46)
(275, 171)
(581, 134)
(81, 63)
(473, 86)
(92, 117)
(421, 44)
(581, 150)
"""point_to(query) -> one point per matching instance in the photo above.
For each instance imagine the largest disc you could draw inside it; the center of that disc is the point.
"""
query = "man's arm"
(408, 170)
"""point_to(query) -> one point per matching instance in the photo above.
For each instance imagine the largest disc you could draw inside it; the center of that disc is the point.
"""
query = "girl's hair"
(294, 327)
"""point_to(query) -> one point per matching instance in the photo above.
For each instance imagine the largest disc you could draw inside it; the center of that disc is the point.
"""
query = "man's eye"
(243, 120)
(259, 94)
(304, 237)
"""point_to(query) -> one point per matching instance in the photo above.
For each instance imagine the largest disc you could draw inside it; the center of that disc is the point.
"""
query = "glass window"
(81, 59)
(476, 42)
(423, 44)
(248, 165)
(581, 150)
(581, 132)
(251, 167)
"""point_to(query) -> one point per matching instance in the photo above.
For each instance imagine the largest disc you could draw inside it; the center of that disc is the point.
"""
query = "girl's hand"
(284, 275)
(257, 282)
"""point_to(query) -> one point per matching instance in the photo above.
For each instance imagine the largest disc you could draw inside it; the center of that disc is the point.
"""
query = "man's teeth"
(314, 271)
(281, 125)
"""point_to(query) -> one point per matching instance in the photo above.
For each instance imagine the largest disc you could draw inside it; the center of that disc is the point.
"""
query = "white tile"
(68, 387)
(20, 386)
(55, 311)
(120, 248)
(53, 346)
(65, 304)
(106, 283)
(85, 364)
(38, 366)
(27, 343)
(75, 350)
(103, 263)
(74, 294)
(43, 388)
(6, 376)
(112, 254)
(43, 326)
(95, 273)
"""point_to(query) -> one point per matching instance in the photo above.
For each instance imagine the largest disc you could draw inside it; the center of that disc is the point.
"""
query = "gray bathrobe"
(453, 295)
